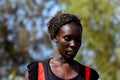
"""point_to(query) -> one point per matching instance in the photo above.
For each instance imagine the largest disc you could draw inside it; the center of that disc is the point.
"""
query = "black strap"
(33, 70)
(46, 64)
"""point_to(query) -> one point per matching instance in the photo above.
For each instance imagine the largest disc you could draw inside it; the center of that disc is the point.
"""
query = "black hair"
(60, 19)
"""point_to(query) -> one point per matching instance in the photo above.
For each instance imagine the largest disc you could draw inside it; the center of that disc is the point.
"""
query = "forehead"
(71, 29)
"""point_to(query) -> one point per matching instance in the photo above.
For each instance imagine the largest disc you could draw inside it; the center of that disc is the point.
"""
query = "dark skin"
(68, 41)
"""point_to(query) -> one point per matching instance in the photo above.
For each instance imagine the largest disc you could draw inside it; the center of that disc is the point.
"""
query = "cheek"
(79, 44)
(63, 44)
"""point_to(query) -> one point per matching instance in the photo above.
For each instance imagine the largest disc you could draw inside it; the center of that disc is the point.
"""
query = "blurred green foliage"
(23, 35)
(24, 38)
(101, 34)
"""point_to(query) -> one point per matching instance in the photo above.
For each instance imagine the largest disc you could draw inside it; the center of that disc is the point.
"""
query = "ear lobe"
(55, 39)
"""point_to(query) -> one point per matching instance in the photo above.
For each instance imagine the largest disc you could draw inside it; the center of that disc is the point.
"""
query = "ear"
(55, 39)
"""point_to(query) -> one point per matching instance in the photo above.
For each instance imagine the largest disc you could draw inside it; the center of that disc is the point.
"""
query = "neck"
(60, 59)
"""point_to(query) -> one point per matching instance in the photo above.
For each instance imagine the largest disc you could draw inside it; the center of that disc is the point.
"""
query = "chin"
(70, 58)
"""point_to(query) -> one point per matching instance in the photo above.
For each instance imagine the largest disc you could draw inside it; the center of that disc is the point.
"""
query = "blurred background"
(24, 37)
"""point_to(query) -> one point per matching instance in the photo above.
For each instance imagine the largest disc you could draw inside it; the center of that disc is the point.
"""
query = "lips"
(72, 53)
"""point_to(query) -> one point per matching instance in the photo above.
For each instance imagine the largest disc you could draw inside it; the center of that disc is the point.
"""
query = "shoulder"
(94, 74)
(32, 65)
(32, 69)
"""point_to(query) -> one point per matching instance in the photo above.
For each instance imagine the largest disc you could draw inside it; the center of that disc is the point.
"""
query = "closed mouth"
(72, 53)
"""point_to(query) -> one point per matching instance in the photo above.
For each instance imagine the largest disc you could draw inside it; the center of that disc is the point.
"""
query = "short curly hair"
(60, 19)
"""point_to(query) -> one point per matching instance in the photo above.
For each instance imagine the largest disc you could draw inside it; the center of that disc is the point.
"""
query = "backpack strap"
(41, 75)
(87, 73)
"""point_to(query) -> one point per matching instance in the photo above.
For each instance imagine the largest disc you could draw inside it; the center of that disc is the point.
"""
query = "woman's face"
(69, 40)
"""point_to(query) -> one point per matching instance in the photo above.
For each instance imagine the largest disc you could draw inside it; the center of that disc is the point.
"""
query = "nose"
(72, 43)
(75, 44)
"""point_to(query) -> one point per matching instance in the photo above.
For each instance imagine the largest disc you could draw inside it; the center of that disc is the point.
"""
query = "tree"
(23, 35)
(100, 35)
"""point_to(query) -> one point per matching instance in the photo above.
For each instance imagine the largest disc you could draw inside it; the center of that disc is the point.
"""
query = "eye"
(67, 38)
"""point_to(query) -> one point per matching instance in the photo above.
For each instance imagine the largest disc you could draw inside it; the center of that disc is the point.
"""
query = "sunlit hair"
(60, 19)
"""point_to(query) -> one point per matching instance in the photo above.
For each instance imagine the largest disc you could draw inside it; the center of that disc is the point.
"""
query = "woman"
(66, 31)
